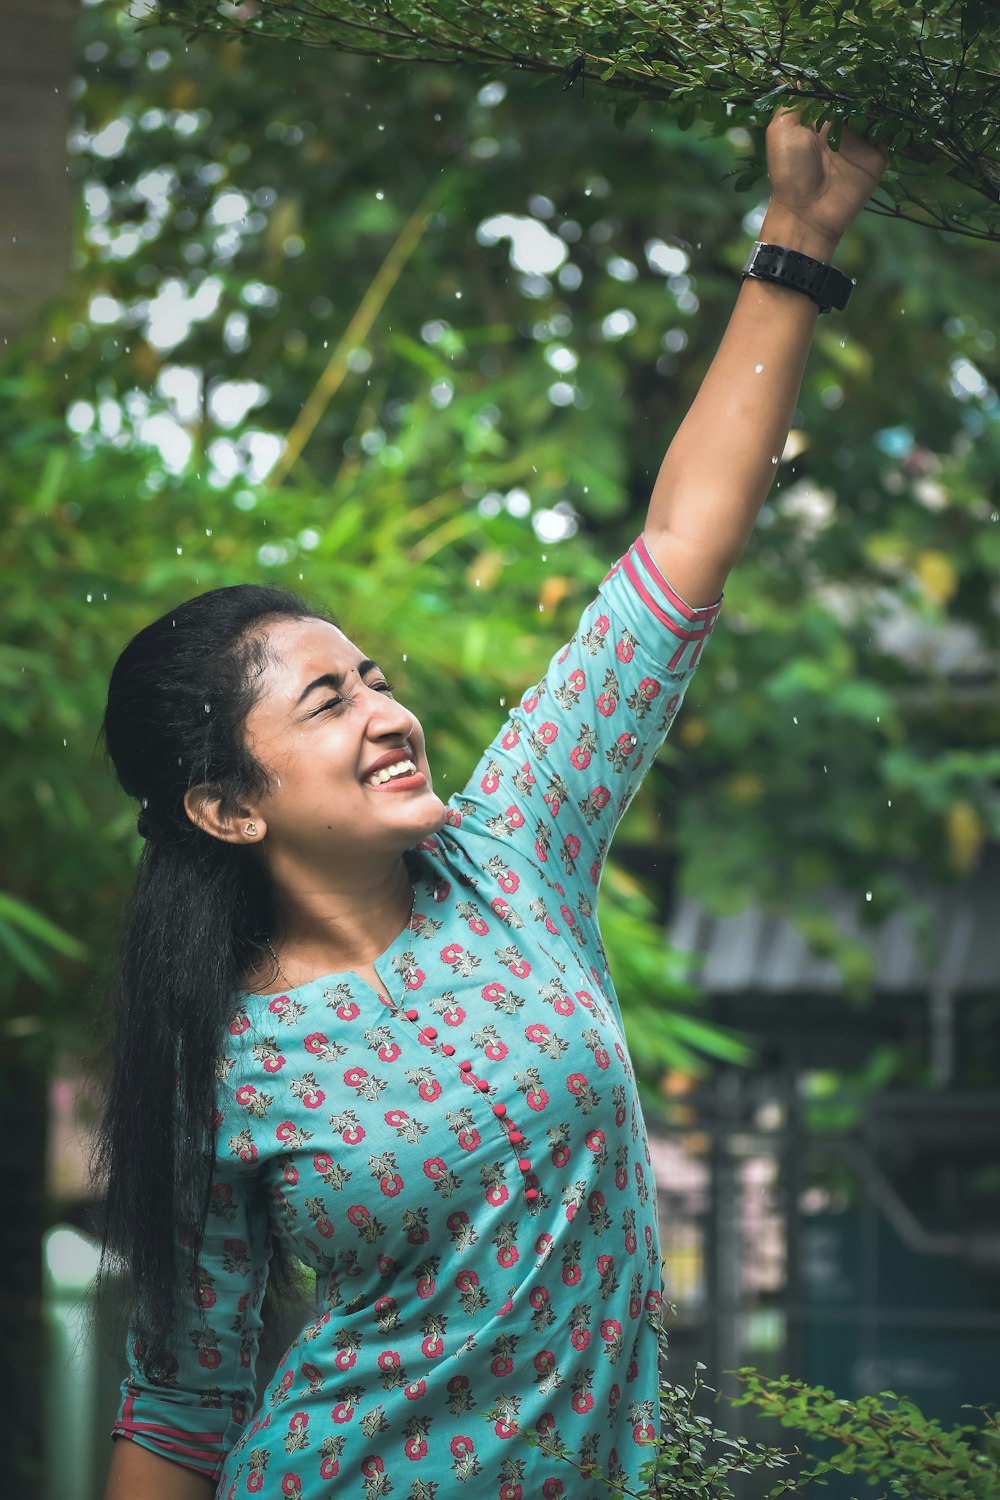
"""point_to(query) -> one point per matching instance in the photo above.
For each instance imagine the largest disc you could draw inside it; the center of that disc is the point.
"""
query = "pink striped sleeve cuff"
(202, 1451)
(690, 627)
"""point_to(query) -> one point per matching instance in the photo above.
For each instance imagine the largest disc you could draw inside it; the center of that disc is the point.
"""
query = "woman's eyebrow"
(335, 680)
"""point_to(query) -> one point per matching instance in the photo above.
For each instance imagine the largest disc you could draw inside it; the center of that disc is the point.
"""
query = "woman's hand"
(822, 189)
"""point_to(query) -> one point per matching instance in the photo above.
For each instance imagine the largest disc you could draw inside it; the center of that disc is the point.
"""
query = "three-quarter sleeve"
(198, 1410)
(555, 781)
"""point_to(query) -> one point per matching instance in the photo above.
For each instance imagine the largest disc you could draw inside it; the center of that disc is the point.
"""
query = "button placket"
(427, 1036)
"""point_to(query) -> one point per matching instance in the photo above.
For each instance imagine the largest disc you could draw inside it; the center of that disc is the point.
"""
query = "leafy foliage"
(922, 78)
(884, 1439)
(881, 1439)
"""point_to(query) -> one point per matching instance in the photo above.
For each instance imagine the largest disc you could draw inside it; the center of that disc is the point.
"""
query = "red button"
(515, 1137)
(524, 1165)
(499, 1110)
(447, 1049)
(411, 1015)
(430, 1031)
(466, 1066)
(531, 1194)
(482, 1085)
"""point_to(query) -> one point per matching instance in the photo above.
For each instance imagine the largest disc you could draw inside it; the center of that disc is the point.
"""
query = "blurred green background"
(414, 340)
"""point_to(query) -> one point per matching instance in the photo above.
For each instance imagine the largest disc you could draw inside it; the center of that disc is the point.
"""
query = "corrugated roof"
(758, 950)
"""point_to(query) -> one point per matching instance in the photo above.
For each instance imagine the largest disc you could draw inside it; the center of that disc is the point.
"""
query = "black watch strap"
(827, 286)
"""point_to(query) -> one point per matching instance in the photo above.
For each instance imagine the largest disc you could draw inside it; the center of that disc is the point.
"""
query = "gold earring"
(251, 830)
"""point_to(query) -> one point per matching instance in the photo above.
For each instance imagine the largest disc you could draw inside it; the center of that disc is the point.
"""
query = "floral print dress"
(466, 1167)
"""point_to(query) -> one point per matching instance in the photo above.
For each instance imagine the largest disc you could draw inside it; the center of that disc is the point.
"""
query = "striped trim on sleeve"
(690, 626)
(202, 1451)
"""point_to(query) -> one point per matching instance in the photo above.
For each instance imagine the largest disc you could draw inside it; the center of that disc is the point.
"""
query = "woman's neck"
(324, 930)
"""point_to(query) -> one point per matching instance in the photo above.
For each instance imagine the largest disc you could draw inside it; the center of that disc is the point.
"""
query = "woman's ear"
(206, 808)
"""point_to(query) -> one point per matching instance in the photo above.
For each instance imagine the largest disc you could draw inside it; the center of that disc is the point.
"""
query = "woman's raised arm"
(720, 466)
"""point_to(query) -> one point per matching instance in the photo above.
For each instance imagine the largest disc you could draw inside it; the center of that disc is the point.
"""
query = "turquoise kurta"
(465, 1168)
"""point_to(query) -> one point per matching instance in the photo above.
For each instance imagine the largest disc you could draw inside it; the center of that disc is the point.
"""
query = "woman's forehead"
(294, 643)
(299, 651)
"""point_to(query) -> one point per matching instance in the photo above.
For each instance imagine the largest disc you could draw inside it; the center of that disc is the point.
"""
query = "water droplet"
(90, 598)
(824, 770)
(404, 655)
(64, 742)
(774, 458)
(868, 895)
(889, 803)
(541, 609)
(180, 551)
(503, 702)
(208, 531)
(794, 719)
(757, 369)
(208, 708)
(477, 583)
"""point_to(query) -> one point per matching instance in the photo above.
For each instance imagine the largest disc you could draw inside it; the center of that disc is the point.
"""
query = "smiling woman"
(436, 1111)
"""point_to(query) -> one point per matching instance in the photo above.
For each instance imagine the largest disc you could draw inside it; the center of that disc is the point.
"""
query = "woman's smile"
(397, 771)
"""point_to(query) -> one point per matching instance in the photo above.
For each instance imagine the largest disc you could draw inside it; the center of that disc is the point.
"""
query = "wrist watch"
(828, 287)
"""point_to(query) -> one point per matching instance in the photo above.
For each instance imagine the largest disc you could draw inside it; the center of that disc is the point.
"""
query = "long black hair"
(199, 918)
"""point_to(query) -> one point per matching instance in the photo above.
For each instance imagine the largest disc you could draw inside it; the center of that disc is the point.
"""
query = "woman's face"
(325, 720)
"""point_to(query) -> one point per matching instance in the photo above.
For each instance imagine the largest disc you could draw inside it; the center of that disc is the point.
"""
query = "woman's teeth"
(401, 768)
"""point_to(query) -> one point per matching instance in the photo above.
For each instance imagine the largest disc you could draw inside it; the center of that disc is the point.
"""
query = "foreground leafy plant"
(922, 78)
(882, 1439)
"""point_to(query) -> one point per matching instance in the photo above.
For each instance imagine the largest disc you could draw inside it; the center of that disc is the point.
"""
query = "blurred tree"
(37, 65)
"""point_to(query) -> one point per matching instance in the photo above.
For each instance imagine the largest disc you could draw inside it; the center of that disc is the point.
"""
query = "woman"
(400, 1010)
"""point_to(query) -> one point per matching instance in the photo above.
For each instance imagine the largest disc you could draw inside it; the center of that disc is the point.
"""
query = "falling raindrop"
(208, 708)
(794, 719)
(503, 702)
(180, 551)
(757, 369)
(90, 598)
(404, 655)
(868, 895)
(774, 458)
(889, 804)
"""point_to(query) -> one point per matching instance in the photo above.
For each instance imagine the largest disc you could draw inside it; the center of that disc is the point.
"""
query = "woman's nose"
(387, 716)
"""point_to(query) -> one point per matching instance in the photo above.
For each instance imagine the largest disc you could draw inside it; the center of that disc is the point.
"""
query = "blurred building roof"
(958, 951)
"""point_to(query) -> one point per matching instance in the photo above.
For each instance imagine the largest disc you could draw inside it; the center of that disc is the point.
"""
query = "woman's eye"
(382, 687)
